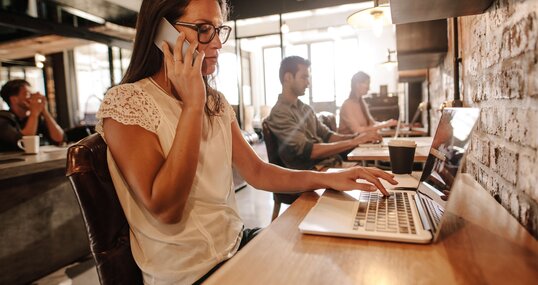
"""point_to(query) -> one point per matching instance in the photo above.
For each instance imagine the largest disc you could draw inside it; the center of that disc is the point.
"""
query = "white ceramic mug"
(30, 144)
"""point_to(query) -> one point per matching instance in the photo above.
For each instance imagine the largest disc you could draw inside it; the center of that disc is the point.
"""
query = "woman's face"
(362, 88)
(198, 12)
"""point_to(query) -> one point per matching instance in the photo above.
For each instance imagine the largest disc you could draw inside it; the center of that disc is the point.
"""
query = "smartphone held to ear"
(167, 33)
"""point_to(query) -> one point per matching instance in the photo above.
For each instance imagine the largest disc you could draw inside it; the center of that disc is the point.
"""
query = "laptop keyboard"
(392, 214)
(436, 211)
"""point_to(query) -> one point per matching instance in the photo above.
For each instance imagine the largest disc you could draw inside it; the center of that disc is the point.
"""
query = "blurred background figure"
(354, 115)
(28, 115)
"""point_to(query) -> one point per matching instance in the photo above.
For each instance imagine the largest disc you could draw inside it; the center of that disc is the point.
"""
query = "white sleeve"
(130, 105)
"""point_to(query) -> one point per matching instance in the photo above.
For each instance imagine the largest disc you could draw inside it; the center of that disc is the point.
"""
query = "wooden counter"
(41, 228)
(15, 164)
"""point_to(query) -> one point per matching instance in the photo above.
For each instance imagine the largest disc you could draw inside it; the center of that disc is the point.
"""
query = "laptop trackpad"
(330, 215)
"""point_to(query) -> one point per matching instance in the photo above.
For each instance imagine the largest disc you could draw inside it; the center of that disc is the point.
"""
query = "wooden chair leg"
(276, 210)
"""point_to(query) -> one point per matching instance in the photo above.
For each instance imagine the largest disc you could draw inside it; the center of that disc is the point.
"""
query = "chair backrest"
(328, 119)
(106, 225)
(271, 144)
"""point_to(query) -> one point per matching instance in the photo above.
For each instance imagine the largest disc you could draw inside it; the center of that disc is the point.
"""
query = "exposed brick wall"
(499, 74)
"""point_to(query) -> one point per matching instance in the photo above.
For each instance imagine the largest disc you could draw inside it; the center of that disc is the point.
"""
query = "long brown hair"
(357, 77)
(147, 59)
(360, 77)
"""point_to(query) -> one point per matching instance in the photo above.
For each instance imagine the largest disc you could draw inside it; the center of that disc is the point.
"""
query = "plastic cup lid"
(402, 143)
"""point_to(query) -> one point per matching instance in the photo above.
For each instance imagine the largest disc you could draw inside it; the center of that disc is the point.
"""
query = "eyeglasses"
(206, 32)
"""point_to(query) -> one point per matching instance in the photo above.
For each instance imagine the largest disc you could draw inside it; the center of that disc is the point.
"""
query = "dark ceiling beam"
(39, 26)
(103, 9)
(243, 9)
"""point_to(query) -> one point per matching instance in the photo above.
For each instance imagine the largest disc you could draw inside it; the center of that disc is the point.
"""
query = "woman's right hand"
(186, 73)
(387, 124)
(346, 179)
(367, 137)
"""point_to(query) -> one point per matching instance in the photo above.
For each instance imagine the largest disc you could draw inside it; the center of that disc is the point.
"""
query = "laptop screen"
(448, 147)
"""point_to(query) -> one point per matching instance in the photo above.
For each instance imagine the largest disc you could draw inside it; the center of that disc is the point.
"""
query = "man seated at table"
(28, 115)
(305, 142)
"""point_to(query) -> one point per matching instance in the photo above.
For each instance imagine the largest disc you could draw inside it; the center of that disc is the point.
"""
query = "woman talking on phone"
(172, 141)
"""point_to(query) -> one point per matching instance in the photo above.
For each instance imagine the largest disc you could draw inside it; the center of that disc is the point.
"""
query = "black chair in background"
(107, 228)
(271, 144)
(77, 133)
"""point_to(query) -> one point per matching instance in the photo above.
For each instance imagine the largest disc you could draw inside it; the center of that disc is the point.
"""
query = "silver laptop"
(406, 216)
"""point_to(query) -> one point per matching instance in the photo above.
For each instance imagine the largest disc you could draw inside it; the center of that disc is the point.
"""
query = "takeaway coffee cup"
(30, 144)
(402, 154)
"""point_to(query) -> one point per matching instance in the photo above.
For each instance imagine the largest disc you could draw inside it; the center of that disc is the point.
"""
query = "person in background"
(27, 115)
(172, 141)
(304, 141)
(354, 115)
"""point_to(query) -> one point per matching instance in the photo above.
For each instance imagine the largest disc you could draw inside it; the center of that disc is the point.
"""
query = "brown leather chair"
(107, 228)
(271, 144)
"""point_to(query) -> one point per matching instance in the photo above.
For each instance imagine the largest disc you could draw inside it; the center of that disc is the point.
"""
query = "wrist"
(189, 109)
(33, 115)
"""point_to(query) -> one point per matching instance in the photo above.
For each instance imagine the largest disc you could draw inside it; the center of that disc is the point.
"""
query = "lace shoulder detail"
(129, 105)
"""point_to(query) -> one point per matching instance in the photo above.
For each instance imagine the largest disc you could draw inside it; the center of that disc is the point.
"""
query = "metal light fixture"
(375, 17)
(284, 28)
(39, 60)
(390, 63)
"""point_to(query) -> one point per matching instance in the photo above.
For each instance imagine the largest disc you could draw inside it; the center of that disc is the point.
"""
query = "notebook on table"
(406, 216)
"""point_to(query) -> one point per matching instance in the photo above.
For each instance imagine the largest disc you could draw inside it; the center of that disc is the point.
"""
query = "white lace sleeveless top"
(210, 230)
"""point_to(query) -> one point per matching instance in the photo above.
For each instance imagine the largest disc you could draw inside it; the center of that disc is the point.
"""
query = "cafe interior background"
(482, 54)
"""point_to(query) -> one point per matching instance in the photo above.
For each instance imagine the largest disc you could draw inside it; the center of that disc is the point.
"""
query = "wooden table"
(382, 152)
(481, 243)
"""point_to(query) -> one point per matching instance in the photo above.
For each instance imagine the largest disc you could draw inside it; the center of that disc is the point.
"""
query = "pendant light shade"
(375, 18)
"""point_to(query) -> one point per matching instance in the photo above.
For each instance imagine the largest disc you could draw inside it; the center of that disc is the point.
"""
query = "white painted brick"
(505, 193)
(491, 121)
(474, 86)
(521, 126)
(500, 75)
(505, 163)
(511, 80)
(491, 51)
(524, 213)
(519, 37)
(480, 148)
(532, 79)
(483, 178)
(483, 151)
(528, 174)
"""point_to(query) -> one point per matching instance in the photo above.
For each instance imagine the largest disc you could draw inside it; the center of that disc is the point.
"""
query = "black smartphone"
(167, 33)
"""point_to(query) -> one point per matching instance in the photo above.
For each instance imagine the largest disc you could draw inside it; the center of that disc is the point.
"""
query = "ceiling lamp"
(390, 63)
(374, 18)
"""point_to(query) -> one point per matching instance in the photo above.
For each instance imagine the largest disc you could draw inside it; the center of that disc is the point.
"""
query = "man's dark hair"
(291, 64)
(11, 88)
